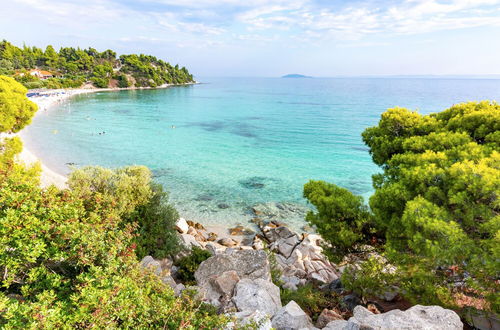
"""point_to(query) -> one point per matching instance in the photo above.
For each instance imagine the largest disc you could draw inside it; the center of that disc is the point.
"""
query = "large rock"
(148, 262)
(224, 284)
(250, 319)
(182, 226)
(417, 317)
(327, 316)
(337, 325)
(249, 264)
(304, 258)
(189, 241)
(215, 248)
(273, 233)
(291, 317)
(257, 295)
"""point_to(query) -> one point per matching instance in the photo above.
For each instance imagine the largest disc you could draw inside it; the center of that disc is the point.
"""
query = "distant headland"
(295, 75)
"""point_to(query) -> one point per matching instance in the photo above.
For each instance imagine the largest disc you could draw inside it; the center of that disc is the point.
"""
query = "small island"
(295, 75)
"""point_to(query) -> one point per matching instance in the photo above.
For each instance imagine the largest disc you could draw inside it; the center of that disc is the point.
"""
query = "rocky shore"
(248, 270)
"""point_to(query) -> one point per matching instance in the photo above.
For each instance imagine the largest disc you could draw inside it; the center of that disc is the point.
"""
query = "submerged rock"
(223, 206)
(204, 198)
(280, 211)
(254, 182)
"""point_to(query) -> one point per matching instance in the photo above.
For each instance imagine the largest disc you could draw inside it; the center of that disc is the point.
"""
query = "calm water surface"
(240, 141)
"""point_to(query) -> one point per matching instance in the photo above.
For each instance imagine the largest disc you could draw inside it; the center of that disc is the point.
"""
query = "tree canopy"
(436, 204)
(16, 110)
(71, 67)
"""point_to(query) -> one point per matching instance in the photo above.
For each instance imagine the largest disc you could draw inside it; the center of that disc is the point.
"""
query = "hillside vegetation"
(72, 67)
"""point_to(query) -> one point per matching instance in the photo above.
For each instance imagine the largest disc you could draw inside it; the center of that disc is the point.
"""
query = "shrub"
(311, 299)
(16, 110)
(341, 218)
(156, 219)
(122, 81)
(190, 263)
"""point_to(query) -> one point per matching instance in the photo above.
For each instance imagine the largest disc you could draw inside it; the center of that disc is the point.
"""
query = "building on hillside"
(41, 74)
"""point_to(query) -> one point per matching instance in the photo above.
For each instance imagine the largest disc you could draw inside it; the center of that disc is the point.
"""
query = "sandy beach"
(45, 101)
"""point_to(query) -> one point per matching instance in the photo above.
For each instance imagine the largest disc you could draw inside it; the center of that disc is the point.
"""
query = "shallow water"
(225, 145)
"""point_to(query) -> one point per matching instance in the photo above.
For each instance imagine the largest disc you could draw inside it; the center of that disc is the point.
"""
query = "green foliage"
(118, 192)
(67, 257)
(341, 218)
(276, 272)
(436, 203)
(74, 66)
(371, 277)
(156, 219)
(16, 110)
(150, 71)
(311, 299)
(190, 263)
(122, 81)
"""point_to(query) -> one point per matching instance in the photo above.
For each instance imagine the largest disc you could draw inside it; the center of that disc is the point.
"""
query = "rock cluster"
(300, 258)
(237, 280)
(417, 317)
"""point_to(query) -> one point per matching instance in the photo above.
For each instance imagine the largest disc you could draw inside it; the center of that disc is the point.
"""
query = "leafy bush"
(341, 218)
(436, 203)
(156, 220)
(122, 81)
(370, 278)
(190, 263)
(16, 110)
(311, 299)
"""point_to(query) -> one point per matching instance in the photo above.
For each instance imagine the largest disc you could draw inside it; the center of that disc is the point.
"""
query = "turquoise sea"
(229, 143)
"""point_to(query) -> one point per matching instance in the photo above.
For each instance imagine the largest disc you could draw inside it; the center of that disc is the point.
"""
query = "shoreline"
(46, 99)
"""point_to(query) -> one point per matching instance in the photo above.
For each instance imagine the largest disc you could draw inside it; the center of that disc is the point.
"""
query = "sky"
(273, 37)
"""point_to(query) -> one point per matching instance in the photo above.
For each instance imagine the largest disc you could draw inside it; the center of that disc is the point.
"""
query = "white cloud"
(354, 22)
(224, 19)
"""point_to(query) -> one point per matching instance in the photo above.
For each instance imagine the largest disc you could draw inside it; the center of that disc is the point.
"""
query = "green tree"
(156, 220)
(341, 218)
(50, 57)
(436, 203)
(16, 110)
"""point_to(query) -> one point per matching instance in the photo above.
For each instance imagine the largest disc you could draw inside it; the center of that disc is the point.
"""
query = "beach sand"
(45, 101)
